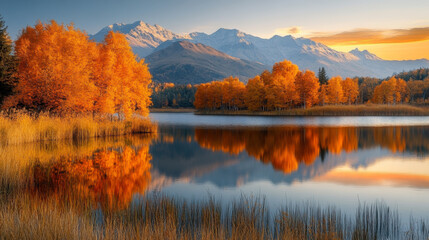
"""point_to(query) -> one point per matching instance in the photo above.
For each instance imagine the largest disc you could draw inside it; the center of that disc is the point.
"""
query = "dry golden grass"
(22, 127)
(333, 110)
(27, 216)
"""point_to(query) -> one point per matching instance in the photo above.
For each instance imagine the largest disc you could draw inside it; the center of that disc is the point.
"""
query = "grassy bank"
(23, 127)
(339, 110)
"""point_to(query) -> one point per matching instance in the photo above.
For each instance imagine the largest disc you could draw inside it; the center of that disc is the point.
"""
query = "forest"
(58, 69)
(286, 87)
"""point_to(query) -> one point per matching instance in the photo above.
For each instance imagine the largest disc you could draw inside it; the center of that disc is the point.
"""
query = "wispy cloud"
(371, 36)
(288, 31)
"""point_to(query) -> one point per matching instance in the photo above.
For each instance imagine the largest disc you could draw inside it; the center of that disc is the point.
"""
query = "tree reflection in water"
(109, 177)
(287, 147)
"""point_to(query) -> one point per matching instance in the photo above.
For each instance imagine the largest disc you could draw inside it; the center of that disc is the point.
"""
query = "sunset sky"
(392, 29)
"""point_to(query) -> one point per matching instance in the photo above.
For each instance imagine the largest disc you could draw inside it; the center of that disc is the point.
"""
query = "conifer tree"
(7, 63)
(323, 78)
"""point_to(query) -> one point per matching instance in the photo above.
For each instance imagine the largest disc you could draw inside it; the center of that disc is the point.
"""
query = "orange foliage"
(54, 69)
(307, 87)
(288, 147)
(226, 94)
(62, 71)
(350, 90)
(284, 147)
(122, 81)
(391, 92)
(335, 93)
(283, 84)
(255, 94)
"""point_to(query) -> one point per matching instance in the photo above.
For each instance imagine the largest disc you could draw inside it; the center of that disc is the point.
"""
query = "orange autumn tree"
(62, 71)
(233, 93)
(55, 69)
(350, 90)
(283, 84)
(122, 80)
(255, 94)
(307, 87)
(335, 93)
(391, 92)
(227, 94)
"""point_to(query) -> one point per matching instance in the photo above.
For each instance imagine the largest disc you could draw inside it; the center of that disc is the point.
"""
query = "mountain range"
(245, 50)
(184, 62)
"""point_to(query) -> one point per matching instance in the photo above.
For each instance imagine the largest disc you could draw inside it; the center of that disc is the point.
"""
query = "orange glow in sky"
(392, 51)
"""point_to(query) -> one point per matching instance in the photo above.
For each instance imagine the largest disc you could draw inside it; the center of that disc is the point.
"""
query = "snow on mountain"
(307, 54)
(142, 37)
(186, 62)
(364, 55)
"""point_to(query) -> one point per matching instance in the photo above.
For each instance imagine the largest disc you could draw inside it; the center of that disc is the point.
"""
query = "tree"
(323, 78)
(335, 91)
(233, 93)
(350, 90)
(283, 87)
(123, 82)
(55, 69)
(62, 71)
(323, 95)
(415, 89)
(307, 87)
(366, 89)
(201, 97)
(8, 63)
(391, 92)
(255, 94)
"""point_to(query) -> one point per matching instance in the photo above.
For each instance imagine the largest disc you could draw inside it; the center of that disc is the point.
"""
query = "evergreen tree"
(323, 78)
(8, 63)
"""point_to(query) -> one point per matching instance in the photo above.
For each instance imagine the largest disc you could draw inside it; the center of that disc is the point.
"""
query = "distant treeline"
(418, 74)
(286, 87)
(261, 92)
(168, 95)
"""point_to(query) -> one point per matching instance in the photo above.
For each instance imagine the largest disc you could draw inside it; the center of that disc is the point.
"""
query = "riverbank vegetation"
(170, 95)
(62, 85)
(331, 110)
(286, 88)
(62, 71)
(23, 127)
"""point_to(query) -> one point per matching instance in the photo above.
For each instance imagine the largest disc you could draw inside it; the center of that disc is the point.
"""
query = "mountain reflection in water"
(232, 156)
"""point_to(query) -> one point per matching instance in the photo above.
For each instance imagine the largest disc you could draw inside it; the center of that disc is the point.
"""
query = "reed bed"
(22, 127)
(332, 110)
(157, 216)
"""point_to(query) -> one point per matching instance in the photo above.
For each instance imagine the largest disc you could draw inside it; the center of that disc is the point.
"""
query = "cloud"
(288, 31)
(370, 36)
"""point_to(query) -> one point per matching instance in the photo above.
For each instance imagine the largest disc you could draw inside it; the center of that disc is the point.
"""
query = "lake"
(329, 161)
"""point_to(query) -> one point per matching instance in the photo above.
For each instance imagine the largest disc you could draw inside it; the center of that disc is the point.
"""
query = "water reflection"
(108, 177)
(182, 159)
(288, 147)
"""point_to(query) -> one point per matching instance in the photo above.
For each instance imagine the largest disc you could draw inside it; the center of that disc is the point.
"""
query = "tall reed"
(156, 216)
(23, 127)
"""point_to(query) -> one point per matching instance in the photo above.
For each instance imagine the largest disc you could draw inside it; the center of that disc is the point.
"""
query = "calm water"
(331, 161)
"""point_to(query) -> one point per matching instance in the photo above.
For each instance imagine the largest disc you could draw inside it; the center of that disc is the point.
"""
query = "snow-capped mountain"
(307, 54)
(143, 37)
(185, 62)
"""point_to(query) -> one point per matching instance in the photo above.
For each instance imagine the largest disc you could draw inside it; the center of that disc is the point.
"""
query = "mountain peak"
(186, 62)
(364, 54)
(230, 32)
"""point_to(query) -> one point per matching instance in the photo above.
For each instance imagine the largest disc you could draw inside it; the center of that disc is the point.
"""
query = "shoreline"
(329, 111)
(171, 110)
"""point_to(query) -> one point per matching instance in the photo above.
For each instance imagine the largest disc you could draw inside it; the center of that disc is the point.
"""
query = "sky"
(391, 29)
